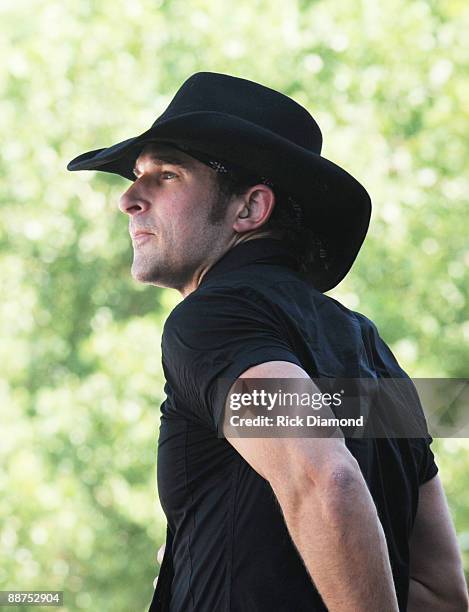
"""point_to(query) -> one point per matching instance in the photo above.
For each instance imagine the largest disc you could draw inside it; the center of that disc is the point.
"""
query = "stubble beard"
(153, 267)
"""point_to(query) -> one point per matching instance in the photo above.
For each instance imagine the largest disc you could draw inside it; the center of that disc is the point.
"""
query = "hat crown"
(248, 101)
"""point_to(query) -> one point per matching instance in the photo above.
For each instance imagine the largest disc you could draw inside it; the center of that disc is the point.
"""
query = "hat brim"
(341, 208)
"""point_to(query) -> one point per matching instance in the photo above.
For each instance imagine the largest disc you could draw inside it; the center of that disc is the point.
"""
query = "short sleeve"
(215, 334)
(429, 469)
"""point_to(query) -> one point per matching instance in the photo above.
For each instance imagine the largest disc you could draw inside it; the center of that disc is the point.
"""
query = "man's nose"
(132, 202)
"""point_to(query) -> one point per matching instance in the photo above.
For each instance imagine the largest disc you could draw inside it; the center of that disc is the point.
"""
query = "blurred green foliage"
(81, 380)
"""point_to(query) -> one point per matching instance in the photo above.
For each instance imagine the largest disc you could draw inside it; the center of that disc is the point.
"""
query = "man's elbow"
(341, 477)
(340, 488)
(331, 487)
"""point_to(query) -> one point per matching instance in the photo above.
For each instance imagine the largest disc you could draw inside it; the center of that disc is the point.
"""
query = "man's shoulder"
(238, 293)
(365, 322)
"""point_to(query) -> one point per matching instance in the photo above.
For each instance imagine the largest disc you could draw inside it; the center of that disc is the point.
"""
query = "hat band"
(223, 167)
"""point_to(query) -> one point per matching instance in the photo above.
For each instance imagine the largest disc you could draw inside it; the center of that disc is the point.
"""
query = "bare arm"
(437, 578)
(328, 510)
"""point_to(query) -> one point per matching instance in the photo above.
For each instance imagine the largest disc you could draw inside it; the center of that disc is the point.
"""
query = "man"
(233, 205)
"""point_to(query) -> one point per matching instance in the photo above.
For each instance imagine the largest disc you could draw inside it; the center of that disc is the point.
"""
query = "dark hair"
(285, 222)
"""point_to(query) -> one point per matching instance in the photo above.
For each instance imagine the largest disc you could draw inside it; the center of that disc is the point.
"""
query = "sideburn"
(219, 208)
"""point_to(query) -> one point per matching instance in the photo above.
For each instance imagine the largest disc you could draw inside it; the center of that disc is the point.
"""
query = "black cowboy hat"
(269, 134)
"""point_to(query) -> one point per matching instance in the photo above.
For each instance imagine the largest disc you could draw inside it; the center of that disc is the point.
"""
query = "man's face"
(171, 200)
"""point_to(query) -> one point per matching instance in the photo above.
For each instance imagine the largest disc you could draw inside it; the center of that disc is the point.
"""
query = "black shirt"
(230, 549)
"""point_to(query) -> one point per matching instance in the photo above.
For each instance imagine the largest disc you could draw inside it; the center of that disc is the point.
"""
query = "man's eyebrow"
(167, 158)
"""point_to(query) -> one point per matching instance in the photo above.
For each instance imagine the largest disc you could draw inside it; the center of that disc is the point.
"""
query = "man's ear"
(255, 208)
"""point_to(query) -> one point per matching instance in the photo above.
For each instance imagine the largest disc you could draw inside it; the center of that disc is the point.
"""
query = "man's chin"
(149, 277)
(142, 275)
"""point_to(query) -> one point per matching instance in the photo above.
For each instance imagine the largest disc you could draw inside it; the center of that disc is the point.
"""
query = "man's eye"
(168, 174)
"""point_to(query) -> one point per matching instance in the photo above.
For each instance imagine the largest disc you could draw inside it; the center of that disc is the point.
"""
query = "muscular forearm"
(340, 539)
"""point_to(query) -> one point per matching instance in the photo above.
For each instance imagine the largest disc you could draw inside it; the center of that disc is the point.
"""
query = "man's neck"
(238, 239)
